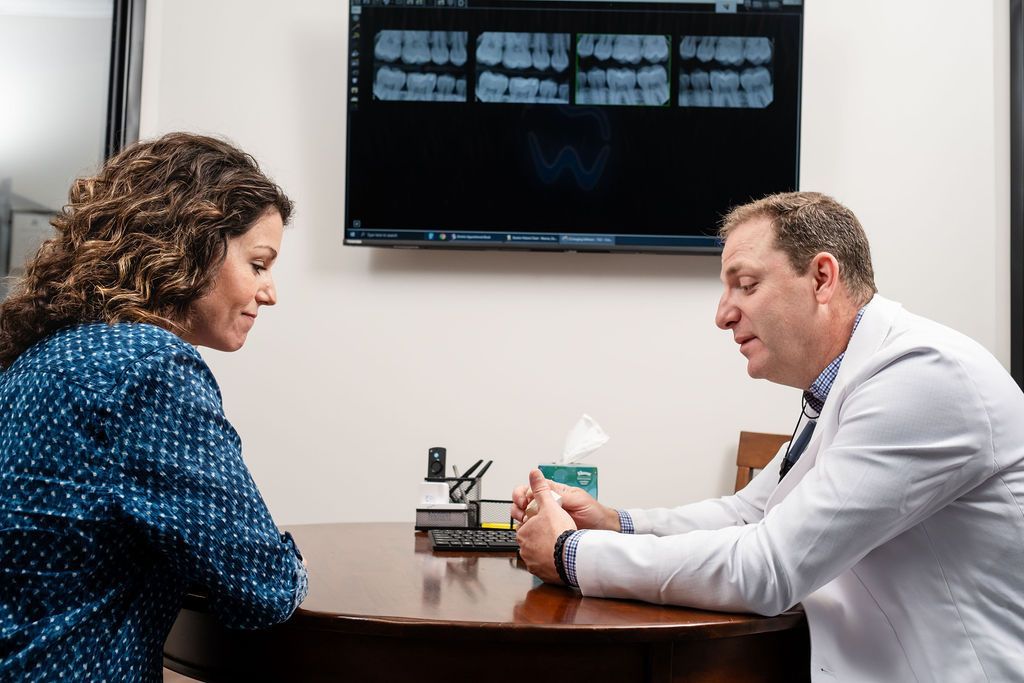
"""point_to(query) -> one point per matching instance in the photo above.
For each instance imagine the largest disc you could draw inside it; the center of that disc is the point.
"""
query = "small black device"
(436, 463)
(474, 540)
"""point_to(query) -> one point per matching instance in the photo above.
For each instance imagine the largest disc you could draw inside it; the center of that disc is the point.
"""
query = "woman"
(121, 481)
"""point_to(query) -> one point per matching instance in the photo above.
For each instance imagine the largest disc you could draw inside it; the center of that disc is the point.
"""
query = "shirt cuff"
(301, 577)
(626, 522)
(569, 557)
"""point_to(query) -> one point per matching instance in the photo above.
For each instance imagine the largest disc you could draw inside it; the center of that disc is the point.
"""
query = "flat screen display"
(579, 125)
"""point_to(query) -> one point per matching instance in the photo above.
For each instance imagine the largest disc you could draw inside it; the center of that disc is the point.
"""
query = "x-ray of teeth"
(522, 67)
(725, 71)
(421, 47)
(647, 86)
(420, 65)
(457, 47)
(622, 69)
(495, 86)
(757, 50)
(522, 51)
(492, 87)
(391, 83)
(624, 49)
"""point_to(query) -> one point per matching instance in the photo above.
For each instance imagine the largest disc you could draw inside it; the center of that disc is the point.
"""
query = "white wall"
(374, 355)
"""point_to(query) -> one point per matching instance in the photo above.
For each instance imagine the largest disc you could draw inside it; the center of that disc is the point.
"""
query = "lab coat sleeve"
(912, 436)
(744, 507)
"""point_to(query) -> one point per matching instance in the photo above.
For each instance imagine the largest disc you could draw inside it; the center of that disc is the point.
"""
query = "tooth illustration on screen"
(491, 86)
(387, 45)
(626, 49)
(489, 48)
(445, 86)
(421, 86)
(560, 52)
(725, 84)
(457, 47)
(388, 83)
(688, 47)
(522, 89)
(729, 51)
(585, 45)
(653, 82)
(706, 48)
(700, 82)
(655, 48)
(597, 93)
(438, 47)
(757, 84)
(414, 47)
(603, 47)
(757, 50)
(622, 86)
(548, 91)
(541, 52)
(517, 51)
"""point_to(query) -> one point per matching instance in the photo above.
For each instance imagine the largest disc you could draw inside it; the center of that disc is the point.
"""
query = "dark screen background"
(480, 166)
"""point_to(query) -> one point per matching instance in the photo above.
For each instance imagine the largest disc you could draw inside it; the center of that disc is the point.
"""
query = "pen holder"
(464, 489)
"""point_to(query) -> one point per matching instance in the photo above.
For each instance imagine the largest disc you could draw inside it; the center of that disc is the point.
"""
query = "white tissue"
(582, 440)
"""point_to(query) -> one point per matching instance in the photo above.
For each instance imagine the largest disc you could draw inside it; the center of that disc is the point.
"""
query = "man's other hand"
(537, 535)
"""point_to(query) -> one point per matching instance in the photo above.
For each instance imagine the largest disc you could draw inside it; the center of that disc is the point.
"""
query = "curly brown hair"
(141, 240)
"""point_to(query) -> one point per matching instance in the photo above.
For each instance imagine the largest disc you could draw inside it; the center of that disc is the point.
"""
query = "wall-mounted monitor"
(566, 125)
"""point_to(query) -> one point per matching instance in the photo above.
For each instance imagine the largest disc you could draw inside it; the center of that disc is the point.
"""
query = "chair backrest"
(756, 450)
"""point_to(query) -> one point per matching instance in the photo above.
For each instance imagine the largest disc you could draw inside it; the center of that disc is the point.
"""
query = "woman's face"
(223, 317)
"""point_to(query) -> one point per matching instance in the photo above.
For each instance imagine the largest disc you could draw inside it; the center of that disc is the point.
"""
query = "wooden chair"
(756, 450)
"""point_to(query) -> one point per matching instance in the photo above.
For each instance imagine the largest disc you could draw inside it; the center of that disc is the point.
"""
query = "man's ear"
(825, 269)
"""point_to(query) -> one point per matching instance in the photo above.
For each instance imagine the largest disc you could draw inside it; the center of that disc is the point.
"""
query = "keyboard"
(474, 540)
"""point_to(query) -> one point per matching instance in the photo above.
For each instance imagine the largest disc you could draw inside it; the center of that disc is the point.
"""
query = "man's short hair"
(807, 223)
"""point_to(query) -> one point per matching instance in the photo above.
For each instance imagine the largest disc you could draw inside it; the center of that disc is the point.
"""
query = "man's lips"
(744, 342)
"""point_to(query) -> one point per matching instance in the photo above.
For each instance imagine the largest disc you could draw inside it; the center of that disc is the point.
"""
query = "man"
(898, 521)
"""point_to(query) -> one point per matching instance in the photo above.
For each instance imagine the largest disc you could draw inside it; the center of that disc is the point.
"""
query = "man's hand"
(586, 512)
(537, 535)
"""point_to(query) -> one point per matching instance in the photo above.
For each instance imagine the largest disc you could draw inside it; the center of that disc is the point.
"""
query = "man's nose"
(727, 314)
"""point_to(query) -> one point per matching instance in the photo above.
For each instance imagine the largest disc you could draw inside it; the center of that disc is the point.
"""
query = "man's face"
(769, 307)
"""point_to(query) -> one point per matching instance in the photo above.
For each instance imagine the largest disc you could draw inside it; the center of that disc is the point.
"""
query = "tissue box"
(581, 476)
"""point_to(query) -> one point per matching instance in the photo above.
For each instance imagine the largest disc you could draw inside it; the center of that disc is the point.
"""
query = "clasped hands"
(539, 527)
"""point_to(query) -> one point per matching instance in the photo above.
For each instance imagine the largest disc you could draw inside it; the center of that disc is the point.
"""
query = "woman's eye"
(258, 268)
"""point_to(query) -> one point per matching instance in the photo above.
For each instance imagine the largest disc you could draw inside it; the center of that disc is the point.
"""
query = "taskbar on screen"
(530, 240)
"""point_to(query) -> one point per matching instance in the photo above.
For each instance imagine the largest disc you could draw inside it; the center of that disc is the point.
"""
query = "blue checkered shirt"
(815, 397)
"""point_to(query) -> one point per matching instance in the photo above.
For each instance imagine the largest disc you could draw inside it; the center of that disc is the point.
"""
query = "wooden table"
(383, 607)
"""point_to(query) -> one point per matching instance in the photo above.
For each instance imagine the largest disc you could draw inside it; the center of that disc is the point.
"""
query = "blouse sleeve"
(184, 484)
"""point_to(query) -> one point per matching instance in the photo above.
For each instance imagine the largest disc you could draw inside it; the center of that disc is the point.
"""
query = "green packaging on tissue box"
(582, 476)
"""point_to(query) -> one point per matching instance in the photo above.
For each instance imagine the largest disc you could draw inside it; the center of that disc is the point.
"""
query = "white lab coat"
(900, 529)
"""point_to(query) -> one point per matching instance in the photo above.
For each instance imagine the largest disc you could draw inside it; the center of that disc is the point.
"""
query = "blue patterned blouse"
(122, 485)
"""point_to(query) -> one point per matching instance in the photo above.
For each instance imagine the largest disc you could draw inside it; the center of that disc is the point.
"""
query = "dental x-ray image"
(420, 65)
(622, 69)
(522, 67)
(725, 71)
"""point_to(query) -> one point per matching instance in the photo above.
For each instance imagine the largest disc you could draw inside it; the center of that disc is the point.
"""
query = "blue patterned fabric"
(822, 384)
(122, 485)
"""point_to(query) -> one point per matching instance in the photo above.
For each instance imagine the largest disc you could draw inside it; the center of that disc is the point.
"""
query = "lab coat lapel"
(874, 327)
